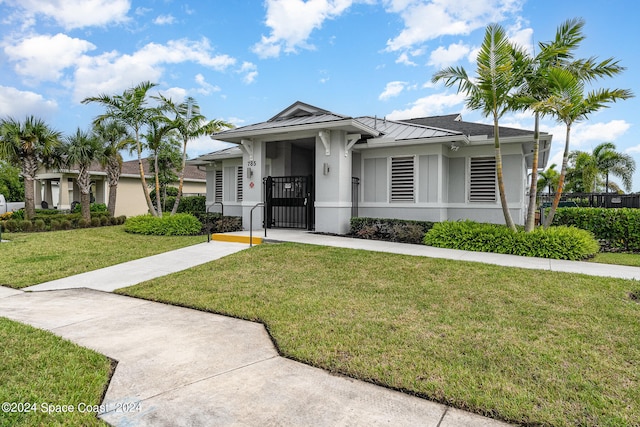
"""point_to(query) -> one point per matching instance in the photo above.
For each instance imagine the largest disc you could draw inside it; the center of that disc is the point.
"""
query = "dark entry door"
(289, 202)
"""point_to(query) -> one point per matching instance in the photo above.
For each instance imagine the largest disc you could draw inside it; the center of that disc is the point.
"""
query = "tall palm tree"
(131, 109)
(569, 105)
(158, 134)
(80, 150)
(557, 53)
(28, 145)
(190, 124)
(114, 138)
(609, 161)
(490, 91)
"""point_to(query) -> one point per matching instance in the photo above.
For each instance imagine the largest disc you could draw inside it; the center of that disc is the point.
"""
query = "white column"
(333, 183)
(253, 169)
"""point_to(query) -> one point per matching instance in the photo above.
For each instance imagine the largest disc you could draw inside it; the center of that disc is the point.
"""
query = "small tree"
(28, 145)
(11, 183)
(113, 137)
(79, 151)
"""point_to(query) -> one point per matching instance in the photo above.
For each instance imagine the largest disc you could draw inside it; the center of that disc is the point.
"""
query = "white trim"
(325, 205)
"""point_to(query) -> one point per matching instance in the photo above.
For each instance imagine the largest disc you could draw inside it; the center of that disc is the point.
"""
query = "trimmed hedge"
(616, 229)
(391, 230)
(169, 225)
(556, 242)
(58, 221)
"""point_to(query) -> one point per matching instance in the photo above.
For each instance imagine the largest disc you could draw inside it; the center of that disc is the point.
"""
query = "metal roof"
(404, 131)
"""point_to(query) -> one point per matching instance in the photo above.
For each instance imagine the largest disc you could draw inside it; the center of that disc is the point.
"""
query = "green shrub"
(616, 229)
(174, 225)
(93, 207)
(25, 225)
(393, 230)
(39, 225)
(95, 222)
(18, 215)
(11, 225)
(104, 220)
(83, 223)
(556, 242)
(54, 225)
(65, 224)
(122, 219)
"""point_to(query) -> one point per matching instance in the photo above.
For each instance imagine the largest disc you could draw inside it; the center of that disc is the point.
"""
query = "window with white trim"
(218, 186)
(239, 185)
(403, 179)
(482, 179)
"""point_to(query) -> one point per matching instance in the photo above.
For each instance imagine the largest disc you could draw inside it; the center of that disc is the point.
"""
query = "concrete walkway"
(186, 367)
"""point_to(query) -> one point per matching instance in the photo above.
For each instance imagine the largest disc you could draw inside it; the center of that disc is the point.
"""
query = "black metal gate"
(289, 202)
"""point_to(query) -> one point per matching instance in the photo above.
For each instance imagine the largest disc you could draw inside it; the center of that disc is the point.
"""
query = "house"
(315, 169)
(59, 189)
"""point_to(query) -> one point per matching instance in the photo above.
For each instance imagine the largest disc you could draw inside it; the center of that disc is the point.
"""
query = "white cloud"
(429, 106)
(164, 20)
(18, 104)
(392, 89)
(205, 87)
(104, 73)
(404, 59)
(250, 71)
(444, 57)
(72, 14)
(45, 57)
(292, 21)
(176, 94)
(204, 145)
(428, 20)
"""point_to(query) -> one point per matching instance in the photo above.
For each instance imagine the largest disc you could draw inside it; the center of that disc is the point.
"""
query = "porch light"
(326, 169)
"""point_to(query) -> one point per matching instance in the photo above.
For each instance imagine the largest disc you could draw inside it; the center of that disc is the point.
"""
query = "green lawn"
(47, 373)
(526, 346)
(32, 258)
(632, 259)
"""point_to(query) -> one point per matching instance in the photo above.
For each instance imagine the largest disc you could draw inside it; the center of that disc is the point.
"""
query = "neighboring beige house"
(59, 189)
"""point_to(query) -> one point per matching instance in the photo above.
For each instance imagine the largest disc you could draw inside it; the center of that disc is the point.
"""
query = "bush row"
(188, 204)
(616, 229)
(393, 230)
(556, 242)
(168, 225)
(60, 222)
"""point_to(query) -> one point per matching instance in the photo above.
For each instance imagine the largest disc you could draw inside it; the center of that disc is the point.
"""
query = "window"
(482, 179)
(218, 186)
(239, 184)
(402, 179)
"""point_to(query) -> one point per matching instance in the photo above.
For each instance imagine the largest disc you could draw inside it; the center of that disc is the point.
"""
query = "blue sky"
(245, 60)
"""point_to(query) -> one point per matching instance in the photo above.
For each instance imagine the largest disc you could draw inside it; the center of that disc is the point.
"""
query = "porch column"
(38, 195)
(333, 182)
(253, 171)
(48, 193)
(63, 202)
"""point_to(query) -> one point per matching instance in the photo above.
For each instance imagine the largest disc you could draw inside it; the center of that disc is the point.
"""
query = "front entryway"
(289, 202)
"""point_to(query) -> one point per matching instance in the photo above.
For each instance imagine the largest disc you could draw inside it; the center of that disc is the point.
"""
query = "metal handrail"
(251, 224)
(207, 211)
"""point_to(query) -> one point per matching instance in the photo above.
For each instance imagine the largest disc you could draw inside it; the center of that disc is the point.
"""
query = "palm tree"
(548, 179)
(27, 145)
(130, 109)
(114, 137)
(582, 172)
(80, 150)
(158, 134)
(609, 161)
(490, 91)
(569, 105)
(190, 124)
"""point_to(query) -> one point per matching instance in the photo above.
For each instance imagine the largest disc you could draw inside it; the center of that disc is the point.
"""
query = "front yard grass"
(46, 372)
(618, 258)
(530, 347)
(32, 258)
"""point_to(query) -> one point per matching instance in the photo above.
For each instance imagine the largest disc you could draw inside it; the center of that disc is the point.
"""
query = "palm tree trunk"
(29, 167)
(85, 206)
(563, 173)
(143, 180)
(503, 197)
(533, 188)
(113, 194)
(180, 177)
(157, 177)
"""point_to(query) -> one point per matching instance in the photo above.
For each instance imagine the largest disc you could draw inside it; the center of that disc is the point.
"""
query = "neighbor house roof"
(131, 169)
